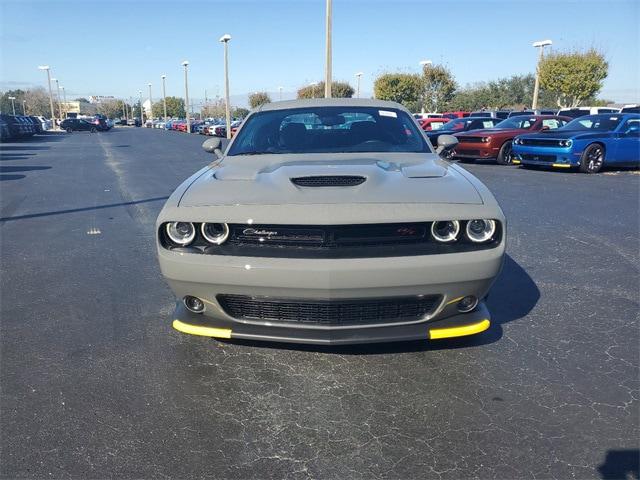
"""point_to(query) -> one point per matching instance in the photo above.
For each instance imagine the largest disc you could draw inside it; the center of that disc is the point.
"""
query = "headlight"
(486, 139)
(181, 233)
(445, 231)
(480, 230)
(517, 141)
(216, 233)
(566, 143)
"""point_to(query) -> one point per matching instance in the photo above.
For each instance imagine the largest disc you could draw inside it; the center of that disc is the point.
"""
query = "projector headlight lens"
(480, 230)
(216, 233)
(181, 233)
(445, 231)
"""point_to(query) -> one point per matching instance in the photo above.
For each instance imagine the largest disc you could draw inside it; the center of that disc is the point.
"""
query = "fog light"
(467, 304)
(193, 304)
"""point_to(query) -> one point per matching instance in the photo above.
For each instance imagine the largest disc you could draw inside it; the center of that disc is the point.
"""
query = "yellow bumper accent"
(560, 165)
(203, 331)
(481, 326)
(515, 162)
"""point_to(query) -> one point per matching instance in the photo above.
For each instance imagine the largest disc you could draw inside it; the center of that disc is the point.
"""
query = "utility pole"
(150, 102)
(141, 111)
(164, 96)
(13, 105)
(227, 110)
(536, 89)
(327, 68)
(53, 115)
(358, 75)
(185, 64)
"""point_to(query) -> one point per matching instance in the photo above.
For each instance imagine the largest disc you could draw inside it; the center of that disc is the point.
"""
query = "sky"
(112, 47)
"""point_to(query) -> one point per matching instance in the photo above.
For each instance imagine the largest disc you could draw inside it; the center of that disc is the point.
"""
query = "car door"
(628, 143)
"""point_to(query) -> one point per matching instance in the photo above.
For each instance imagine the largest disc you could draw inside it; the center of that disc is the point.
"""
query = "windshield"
(455, 124)
(328, 130)
(594, 122)
(522, 123)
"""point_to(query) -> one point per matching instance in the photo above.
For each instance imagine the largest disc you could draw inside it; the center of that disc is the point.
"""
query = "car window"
(517, 122)
(551, 123)
(601, 123)
(329, 129)
(488, 123)
(632, 127)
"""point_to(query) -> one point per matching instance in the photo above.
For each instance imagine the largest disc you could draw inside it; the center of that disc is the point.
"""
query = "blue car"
(588, 143)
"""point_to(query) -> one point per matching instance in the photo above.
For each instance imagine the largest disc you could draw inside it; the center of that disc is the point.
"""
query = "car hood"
(389, 178)
(564, 134)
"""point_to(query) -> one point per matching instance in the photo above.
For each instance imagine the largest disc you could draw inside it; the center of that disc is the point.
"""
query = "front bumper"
(476, 151)
(455, 326)
(546, 156)
(451, 276)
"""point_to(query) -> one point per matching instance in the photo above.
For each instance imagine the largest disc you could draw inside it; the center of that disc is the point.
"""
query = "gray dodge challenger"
(331, 221)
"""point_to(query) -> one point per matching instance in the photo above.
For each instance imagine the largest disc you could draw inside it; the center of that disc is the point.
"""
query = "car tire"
(93, 130)
(505, 156)
(69, 130)
(592, 158)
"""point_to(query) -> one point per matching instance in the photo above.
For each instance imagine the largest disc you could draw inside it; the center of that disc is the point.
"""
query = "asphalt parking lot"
(95, 382)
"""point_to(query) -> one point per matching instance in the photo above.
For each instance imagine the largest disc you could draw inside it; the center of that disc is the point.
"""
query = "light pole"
(13, 105)
(58, 96)
(536, 89)
(424, 63)
(227, 110)
(358, 75)
(24, 107)
(185, 64)
(46, 67)
(164, 96)
(327, 68)
(64, 97)
(150, 102)
(280, 93)
(313, 86)
(141, 112)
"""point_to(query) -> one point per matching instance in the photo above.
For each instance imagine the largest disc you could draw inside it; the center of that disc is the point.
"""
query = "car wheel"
(69, 130)
(93, 130)
(505, 157)
(592, 159)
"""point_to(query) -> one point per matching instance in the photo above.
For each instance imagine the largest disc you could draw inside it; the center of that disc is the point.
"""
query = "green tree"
(259, 98)
(439, 87)
(5, 102)
(111, 108)
(404, 88)
(38, 102)
(175, 108)
(240, 112)
(573, 76)
(338, 90)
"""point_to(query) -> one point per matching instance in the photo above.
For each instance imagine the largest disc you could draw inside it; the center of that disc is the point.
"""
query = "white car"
(46, 124)
(576, 112)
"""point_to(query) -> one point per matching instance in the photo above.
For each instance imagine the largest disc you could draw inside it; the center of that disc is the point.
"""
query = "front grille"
(541, 142)
(471, 139)
(330, 241)
(329, 312)
(538, 158)
(467, 153)
(329, 181)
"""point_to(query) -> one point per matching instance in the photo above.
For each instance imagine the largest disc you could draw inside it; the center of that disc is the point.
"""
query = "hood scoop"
(329, 181)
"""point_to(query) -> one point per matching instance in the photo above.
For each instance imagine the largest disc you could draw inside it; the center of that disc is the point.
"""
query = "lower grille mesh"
(329, 312)
(329, 181)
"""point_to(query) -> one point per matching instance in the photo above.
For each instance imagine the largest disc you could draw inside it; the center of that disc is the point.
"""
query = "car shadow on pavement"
(11, 177)
(512, 297)
(25, 168)
(620, 464)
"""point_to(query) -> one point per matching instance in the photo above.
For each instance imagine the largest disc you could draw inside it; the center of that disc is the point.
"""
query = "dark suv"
(78, 125)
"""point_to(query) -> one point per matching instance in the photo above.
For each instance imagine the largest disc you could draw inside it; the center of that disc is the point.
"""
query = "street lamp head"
(163, 76)
(225, 38)
(54, 79)
(11, 98)
(359, 74)
(185, 63)
(43, 67)
(148, 84)
(313, 84)
(542, 43)
(426, 62)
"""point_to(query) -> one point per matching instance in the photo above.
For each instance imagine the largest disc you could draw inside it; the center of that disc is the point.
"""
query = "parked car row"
(587, 142)
(573, 112)
(20, 126)
(207, 127)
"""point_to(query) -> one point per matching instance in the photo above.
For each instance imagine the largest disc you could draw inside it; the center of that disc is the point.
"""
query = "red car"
(428, 124)
(458, 114)
(495, 143)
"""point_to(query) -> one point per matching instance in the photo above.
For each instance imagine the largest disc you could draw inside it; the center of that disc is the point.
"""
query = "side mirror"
(446, 143)
(214, 145)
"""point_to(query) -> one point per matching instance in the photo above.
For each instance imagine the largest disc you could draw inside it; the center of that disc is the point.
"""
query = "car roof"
(330, 102)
